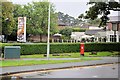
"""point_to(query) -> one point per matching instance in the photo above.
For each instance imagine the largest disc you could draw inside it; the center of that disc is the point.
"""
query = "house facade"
(112, 32)
(113, 28)
(77, 35)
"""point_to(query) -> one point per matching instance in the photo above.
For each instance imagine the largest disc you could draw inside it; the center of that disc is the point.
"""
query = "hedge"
(38, 48)
(102, 47)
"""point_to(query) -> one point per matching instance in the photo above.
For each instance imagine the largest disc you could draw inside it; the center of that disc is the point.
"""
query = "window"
(119, 27)
(119, 38)
(113, 38)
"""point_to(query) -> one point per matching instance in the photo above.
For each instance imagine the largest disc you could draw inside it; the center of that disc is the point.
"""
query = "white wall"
(77, 35)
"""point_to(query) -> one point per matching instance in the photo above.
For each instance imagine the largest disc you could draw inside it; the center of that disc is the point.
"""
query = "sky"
(71, 7)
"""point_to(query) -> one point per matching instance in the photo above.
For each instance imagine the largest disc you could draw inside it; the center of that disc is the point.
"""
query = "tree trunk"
(5, 38)
(40, 37)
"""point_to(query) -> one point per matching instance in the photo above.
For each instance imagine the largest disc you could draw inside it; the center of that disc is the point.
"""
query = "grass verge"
(72, 55)
(7, 63)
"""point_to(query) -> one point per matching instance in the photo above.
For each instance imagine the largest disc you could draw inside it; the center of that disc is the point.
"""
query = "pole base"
(81, 54)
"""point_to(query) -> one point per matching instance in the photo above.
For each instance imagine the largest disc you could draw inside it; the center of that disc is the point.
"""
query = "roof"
(100, 34)
(94, 28)
(12, 47)
(57, 34)
(78, 33)
(93, 32)
(87, 36)
(114, 19)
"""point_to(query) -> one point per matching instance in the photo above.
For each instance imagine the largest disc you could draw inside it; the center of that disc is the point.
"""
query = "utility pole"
(48, 39)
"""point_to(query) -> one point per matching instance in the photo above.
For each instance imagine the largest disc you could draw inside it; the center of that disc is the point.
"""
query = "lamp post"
(48, 39)
(7, 20)
(114, 28)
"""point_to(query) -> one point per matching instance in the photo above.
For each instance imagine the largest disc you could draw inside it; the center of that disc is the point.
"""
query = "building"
(81, 36)
(113, 27)
(1, 38)
(95, 28)
(112, 33)
(77, 35)
(93, 32)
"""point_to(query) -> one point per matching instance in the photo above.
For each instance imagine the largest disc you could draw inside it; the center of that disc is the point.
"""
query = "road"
(103, 71)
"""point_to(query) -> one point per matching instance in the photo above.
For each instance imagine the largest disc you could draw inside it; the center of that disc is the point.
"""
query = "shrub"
(38, 48)
(102, 47)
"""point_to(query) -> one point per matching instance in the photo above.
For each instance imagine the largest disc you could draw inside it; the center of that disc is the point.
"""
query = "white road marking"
(86, 68)
(95, 76)
(98, 66)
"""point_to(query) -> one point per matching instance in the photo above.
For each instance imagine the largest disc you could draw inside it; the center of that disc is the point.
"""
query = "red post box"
(82, 49)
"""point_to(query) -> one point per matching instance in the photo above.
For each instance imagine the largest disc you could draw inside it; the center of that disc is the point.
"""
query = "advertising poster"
(21, 32)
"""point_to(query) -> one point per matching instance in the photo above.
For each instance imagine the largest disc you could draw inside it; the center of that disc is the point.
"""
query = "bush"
(38, 48)
(64, 48)
(102, 47)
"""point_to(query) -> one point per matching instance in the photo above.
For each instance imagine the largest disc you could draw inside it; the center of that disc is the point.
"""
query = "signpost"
(21, 32)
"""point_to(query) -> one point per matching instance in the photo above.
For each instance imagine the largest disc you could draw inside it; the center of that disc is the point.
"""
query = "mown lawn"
(6, 63)
(87, 57)
(73, 55)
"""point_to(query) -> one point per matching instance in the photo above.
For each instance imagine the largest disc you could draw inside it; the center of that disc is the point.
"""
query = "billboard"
(21, 32)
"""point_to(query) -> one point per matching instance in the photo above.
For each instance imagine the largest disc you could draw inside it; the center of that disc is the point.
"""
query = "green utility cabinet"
(12, 52)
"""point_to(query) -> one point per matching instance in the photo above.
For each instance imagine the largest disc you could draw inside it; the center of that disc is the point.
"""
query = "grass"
(65, 55)
(7, 63)
(72, 55)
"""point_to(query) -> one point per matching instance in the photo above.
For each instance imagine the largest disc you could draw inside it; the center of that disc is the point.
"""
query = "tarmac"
(18, 69)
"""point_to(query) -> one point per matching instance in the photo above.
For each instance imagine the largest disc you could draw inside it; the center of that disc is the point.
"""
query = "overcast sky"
(72, 7)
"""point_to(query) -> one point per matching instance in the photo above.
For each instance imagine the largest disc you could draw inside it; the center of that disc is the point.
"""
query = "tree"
(0, 18)
(67, 20)
(17, 12)
(94, 22)
(7, 19)
(81, 16)
(37, 17)
(66, 32)
(102, 8)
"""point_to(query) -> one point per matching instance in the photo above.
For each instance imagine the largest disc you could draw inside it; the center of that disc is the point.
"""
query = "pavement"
(105, 60)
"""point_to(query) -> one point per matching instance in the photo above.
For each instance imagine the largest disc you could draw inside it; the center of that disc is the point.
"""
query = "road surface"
(103, 71)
